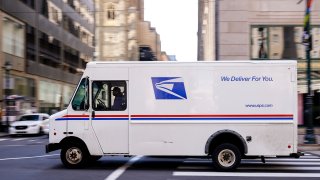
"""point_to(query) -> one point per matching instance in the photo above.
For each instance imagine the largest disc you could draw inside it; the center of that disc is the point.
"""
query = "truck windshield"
(80, 100)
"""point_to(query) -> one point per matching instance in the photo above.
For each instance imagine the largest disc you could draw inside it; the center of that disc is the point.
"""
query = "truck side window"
(81, 98)
(109, 95)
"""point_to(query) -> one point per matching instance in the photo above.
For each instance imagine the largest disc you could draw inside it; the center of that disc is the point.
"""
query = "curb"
(4, 135)
(308, 147)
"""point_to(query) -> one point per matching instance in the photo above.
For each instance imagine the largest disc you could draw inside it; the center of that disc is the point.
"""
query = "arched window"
(111, 12)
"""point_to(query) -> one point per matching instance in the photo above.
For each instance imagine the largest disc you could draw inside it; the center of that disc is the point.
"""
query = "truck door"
(109, 117)
(78, 115)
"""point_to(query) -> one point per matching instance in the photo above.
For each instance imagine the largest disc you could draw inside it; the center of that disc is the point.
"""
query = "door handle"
(93, 114)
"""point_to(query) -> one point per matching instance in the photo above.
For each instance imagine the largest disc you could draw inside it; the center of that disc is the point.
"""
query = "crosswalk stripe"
(301, 167)
(268, 161)
(3, 140)
(292, 168)
(259, 162)
(245, 174)
(285, 163)
(284, 160)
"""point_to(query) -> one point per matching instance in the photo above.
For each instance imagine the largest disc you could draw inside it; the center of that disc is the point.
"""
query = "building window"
(70, 26)
(13, 37)
(55, 13)
(282, 42)
(50, 96)
(71, 4)
(259, 43)
(49, 50)
(67, 94)
(111, 12)
(29, 3)
(30, 38)
(71, 58)
(44, 8)
(24, 87)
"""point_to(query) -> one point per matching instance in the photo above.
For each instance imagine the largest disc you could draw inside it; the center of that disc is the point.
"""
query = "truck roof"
(93, 64)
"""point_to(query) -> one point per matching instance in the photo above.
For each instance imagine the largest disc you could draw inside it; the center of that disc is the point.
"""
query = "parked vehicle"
(222, 110)
(29, 124)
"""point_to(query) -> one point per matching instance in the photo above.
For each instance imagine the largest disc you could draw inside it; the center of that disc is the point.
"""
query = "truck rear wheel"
(74, 156)
(226, 157)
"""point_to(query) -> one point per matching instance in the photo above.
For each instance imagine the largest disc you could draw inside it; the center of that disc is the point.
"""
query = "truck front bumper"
(52, 147)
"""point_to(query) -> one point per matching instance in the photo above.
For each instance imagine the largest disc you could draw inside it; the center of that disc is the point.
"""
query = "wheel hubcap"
(74, 155)
(226, 158)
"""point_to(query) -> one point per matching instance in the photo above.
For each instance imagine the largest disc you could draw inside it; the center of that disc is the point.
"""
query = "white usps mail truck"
(222, 110)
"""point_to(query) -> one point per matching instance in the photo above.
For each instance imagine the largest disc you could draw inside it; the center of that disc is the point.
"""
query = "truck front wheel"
(74, 156)
(226, 157)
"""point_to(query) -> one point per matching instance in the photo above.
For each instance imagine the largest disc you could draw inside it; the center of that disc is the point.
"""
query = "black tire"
(74, 156)
(226, 157)
(40, 131)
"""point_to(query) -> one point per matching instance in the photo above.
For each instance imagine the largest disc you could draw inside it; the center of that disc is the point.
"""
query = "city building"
(48, 43)
(206, 32)
(122, 33)
(262, 30)
(148, 37)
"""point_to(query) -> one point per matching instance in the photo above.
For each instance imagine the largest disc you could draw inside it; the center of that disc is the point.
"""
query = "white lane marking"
(30, 157)
(117, 173)
(3, 139)
(272, 162)
(11, 145)
(293, 168)
(20, 139)
(284, 163)
(246, 174)
(300, 160)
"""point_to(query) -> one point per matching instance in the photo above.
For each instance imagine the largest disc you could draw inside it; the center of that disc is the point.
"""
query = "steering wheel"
(101, 103)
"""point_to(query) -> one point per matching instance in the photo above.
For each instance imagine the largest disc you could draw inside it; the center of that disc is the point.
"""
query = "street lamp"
(7, 67)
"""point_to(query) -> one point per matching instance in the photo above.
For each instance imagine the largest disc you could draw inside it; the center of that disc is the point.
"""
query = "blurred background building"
(122, 33)
(262, 30)
(48, 43)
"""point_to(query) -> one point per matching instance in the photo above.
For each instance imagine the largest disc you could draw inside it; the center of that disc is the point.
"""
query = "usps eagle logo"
(169, 88)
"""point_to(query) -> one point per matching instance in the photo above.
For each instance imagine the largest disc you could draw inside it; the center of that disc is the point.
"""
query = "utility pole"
(307, 41)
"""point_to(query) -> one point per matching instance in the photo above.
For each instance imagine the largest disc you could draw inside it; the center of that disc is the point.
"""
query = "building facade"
(122, 33)
(206, 32)
(262, 30)
(47, 43)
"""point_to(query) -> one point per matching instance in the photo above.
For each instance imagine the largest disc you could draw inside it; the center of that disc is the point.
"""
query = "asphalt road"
(24, 158)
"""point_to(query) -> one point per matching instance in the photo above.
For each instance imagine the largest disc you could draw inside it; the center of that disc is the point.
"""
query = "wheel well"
(72, 140)
(226, 136)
